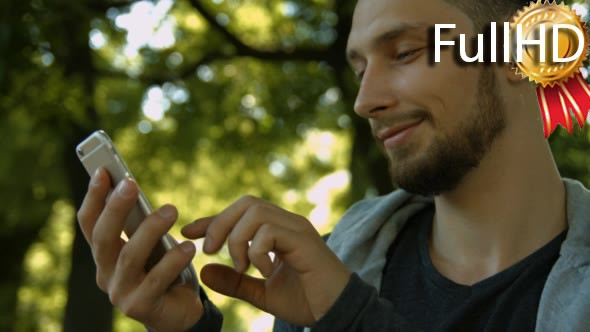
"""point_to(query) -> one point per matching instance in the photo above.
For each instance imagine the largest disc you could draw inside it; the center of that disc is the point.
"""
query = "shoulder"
(371, 203)
(565, 300)
(381, 206)
(576, 247)
(368, 215)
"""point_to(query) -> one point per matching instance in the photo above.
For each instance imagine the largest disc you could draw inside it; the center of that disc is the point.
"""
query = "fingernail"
(207, 245)
(125, 189)
(188, 247)
(238, 266)
(167, 212)
(95, 178)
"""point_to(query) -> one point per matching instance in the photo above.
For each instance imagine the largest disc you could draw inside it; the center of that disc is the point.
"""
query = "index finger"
(94, 202)
(219, 226)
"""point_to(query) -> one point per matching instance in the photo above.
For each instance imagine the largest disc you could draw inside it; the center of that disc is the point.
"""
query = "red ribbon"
(557, 101)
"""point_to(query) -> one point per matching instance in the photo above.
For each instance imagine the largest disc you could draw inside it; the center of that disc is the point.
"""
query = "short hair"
(483, 12)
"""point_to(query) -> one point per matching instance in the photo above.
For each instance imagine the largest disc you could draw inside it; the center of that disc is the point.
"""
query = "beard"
(454, 154)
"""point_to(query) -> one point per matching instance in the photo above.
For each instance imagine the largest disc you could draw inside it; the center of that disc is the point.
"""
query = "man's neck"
(503, 211)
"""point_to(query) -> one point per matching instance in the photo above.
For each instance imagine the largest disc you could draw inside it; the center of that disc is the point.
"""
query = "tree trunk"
(14, 247)
(88, 308)
(15, 240)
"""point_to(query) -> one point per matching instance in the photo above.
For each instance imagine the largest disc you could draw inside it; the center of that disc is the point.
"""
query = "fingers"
(145, 302)
(242, 218)
(239, 223)
(243, 232)
(165, 272)
(93, 203)
(238, 245)
(106, 236)
(225, 280)
(264, 242)
(259, 217)
(120, 266)
(249, 211)
(134, 255)
(281, 241)
(217, 228)
(223, 223)
(197, 229)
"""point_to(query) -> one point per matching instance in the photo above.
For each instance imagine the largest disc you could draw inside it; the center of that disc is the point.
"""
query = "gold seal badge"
(548, 73)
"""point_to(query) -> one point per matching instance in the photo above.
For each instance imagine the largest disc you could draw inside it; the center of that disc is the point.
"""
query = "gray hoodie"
(368, 228)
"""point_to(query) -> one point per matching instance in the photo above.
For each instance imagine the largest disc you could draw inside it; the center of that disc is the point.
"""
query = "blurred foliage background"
(207, 100)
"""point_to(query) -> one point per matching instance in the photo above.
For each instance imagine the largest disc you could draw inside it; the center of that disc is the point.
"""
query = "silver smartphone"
(99, 151)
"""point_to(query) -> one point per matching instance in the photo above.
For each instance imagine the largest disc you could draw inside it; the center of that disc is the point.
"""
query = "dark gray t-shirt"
(506, 301)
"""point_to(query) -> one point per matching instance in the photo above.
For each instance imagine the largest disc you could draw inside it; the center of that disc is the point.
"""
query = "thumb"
(227, 281)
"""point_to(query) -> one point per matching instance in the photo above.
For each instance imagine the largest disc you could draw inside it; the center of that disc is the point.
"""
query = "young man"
(484, 235)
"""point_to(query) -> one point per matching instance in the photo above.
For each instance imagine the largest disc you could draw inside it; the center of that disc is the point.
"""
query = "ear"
(511, 75)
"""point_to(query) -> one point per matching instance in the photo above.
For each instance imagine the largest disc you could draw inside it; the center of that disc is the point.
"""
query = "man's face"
(433, 122)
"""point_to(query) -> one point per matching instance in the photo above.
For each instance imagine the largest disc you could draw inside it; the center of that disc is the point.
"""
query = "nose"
(375, 93)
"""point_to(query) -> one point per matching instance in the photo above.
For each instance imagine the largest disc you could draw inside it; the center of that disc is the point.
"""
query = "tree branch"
(333, 55)
(242, 49)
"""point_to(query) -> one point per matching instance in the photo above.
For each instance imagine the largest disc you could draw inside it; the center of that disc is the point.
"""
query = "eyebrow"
(387, 36)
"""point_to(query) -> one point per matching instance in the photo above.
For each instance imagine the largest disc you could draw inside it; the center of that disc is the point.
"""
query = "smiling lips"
(394, 136)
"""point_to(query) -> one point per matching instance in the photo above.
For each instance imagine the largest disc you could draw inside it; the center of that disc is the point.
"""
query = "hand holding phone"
(99, 151)
(157, 287)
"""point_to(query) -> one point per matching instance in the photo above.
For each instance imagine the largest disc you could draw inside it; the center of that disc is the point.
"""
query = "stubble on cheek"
(449, 154)
(413, 149)
(402, 154)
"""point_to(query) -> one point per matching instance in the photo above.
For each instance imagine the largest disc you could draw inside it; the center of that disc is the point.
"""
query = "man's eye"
(407, 54)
